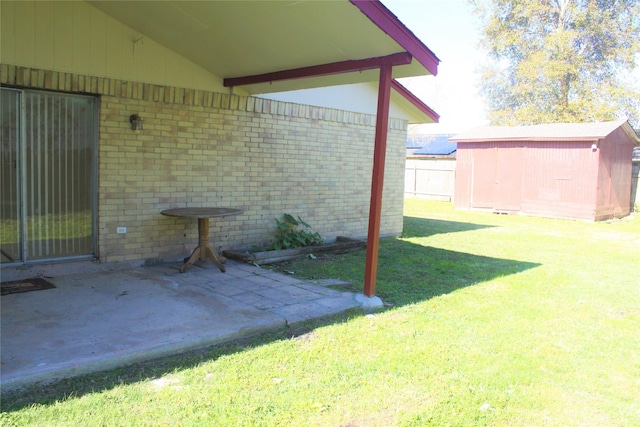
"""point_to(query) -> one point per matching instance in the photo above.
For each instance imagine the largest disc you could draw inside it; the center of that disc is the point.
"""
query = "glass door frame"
(17, 165)
(22, 179)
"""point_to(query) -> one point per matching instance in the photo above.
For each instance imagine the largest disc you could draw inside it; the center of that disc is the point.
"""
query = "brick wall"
(208, 149)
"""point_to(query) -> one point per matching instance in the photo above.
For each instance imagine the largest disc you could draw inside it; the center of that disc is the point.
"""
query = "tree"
(560, 60)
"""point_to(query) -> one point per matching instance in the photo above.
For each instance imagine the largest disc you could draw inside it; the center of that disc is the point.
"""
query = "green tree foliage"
(560, 60)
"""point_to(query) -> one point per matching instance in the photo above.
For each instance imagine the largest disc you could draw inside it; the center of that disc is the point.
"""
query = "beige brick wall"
(209, 149)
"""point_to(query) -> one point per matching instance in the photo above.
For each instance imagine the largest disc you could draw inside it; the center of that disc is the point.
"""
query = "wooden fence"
(430, 178)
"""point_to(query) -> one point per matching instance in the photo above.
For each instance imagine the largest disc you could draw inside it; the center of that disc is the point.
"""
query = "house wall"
(201, 145)
(362, 97)
(75, 37)
(202, 148)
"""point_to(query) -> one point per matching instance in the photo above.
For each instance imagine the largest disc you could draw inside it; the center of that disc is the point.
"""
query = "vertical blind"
(55, 174)
(10, 248)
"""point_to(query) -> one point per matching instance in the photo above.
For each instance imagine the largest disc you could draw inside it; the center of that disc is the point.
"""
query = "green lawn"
(493, 320)
(49, 226)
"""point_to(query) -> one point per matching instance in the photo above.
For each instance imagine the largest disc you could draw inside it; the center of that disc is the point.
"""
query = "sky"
(451, 31)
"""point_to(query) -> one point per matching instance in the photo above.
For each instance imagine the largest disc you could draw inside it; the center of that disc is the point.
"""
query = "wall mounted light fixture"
(594, 147)
(136, 122)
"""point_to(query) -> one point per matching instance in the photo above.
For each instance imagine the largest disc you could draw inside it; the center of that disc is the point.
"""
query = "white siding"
(361, 98)
(76, 37)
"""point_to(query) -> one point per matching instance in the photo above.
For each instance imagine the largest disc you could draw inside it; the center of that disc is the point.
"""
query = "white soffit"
(243, 38)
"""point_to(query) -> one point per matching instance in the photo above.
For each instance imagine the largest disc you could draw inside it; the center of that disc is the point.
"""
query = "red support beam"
(402, 58)
(377, 180)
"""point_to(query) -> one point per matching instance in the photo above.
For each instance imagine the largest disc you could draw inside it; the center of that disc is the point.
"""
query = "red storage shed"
(561, 170)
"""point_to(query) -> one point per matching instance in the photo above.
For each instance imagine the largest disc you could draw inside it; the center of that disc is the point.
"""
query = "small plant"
(289, 236)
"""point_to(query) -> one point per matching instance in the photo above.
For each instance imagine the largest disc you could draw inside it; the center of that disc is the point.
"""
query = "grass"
(493, 320)
(51, 226)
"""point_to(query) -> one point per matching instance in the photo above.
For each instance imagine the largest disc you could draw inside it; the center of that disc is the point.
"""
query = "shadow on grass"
(422, 227)
(407, 273)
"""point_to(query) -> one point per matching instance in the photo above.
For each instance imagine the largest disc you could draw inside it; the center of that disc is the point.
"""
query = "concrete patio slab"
(99, 316)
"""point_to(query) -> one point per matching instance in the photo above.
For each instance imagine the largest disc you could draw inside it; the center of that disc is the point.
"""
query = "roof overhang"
(241, 39)
(426, 112)
(277, 46)
(582, 132)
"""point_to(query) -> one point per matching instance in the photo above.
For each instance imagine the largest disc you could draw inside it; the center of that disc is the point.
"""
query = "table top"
(201, 212)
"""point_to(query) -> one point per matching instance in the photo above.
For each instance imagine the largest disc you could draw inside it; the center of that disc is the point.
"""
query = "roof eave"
(390, 24)
(530, 139)
(415, 101)
(626, 127)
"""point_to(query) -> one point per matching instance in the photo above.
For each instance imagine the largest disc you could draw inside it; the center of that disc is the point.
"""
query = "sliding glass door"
(10, 226)
(48, 176)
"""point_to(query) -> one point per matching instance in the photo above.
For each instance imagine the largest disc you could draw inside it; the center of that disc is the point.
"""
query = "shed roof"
(553, 131)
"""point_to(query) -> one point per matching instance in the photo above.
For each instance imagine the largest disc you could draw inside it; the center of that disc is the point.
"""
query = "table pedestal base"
(204, 251)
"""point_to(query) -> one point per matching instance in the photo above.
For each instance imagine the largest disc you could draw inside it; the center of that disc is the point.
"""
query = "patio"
(101, 316)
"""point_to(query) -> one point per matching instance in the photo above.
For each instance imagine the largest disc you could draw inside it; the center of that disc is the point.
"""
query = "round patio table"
(204, 251)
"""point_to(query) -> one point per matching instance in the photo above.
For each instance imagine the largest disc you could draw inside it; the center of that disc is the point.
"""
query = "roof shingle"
(552, 131)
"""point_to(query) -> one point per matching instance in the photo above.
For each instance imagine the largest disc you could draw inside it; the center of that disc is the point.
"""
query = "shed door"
(483, 179)
(497, 177)
(509, 179)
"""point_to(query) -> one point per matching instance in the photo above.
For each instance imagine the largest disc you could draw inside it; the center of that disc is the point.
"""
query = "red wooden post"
(377, 180)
